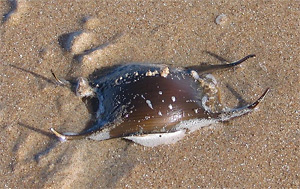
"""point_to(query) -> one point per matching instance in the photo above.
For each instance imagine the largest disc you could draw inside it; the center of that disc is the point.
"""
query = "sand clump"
(18, 10)
(77, 42)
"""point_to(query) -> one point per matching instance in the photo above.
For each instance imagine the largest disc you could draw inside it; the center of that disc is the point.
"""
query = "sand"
(261, 149)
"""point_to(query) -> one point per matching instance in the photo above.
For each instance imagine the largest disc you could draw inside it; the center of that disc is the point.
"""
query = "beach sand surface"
(258, 150)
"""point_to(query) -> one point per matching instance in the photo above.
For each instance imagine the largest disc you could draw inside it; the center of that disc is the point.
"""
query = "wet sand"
(261, 149)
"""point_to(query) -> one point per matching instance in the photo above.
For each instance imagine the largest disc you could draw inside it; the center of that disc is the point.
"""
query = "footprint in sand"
(84, 46)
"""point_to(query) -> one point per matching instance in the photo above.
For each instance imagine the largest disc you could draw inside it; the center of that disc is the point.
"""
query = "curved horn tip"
(261, 98)
(59, 81)
(251, 55)
(61, 137)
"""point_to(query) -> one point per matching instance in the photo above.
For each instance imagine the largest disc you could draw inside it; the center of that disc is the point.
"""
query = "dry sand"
(257, 150)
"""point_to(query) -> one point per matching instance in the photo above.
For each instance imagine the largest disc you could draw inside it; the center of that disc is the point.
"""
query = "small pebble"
(222, 19)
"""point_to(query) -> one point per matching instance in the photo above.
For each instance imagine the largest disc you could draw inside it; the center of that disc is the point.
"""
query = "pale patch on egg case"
(154, 104)
(152, 140)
